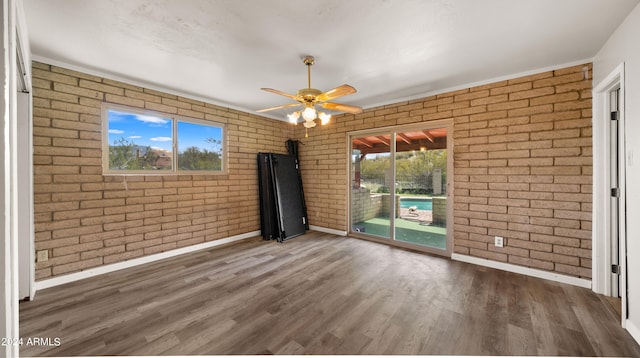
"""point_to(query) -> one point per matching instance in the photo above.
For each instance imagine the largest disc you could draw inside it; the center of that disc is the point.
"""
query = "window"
(142, 142)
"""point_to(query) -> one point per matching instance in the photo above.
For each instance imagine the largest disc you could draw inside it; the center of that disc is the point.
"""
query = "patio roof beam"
(404, 138)
(428, 136)
(363, 142)
(384, 140)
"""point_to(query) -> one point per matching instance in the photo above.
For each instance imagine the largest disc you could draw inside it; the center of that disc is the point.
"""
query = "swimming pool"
(420, 203)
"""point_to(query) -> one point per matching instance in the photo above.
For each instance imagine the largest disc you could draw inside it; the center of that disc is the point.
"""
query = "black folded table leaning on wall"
(282, 208)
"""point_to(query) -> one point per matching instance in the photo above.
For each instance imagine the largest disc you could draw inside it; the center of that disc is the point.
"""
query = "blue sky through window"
(160, 134)
(141, 129)
(196, 135)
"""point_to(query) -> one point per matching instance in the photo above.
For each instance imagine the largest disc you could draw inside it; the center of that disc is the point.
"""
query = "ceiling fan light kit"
(310, 97)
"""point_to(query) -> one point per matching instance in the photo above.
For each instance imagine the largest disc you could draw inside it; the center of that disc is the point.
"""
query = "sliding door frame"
(393, 131)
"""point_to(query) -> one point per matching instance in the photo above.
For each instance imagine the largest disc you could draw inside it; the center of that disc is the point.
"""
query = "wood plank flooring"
(320, 294)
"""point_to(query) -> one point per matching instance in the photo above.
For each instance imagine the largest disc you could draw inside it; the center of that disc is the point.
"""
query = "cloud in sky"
(151, 119)
(115, 131)
(135, 137)
(161, 139)
(117, 116)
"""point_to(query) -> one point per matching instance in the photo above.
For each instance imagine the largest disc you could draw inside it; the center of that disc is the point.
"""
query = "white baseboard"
(327, 230)
(56, 281)
(581, 282)
(633, 330)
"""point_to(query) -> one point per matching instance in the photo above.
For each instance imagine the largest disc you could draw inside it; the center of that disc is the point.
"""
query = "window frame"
(174, 142)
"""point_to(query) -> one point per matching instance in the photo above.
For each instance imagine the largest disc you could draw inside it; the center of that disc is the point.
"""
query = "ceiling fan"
(310, 97)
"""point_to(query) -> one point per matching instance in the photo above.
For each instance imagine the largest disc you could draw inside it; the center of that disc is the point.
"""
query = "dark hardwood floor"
(320, 294)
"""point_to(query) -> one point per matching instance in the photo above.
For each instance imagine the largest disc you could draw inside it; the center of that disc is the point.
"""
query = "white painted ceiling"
(224, 51)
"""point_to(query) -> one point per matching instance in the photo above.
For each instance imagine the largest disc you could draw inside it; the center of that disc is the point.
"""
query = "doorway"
(609, 276)
(614, 170)
(400, 186)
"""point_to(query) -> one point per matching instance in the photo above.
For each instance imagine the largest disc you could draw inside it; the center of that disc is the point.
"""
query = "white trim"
(23, 38)
(601, 203)
(349, 167)
(327, 230)
(56, 281)
(600, 236)
(9, 311)
(26, 243)
(633, 330)
(546, 275)
(480, 83)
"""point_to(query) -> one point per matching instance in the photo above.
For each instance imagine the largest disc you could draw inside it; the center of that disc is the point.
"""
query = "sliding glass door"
(400, 186)
(372, 182)
(420, 161)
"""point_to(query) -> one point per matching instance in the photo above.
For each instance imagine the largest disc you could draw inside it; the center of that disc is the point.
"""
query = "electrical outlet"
(499, 241)
(43, 256)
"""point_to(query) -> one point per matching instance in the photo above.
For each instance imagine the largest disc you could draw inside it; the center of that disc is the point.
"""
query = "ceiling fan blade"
(342, 107)
(336, 92)
(279, 107)
(279, 92)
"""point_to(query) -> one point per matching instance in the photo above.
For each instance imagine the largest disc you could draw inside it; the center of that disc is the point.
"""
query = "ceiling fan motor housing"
(308, 95)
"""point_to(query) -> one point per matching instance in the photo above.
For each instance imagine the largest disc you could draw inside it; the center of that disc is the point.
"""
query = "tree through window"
(141, 142)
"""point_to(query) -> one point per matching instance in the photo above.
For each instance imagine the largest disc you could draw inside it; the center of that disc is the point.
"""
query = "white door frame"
(26, 251)
(601, 239)
(12, 31)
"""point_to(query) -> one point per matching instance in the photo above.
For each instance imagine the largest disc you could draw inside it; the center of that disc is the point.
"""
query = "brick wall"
(523, 167)
(85, 219)
(522, 157)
